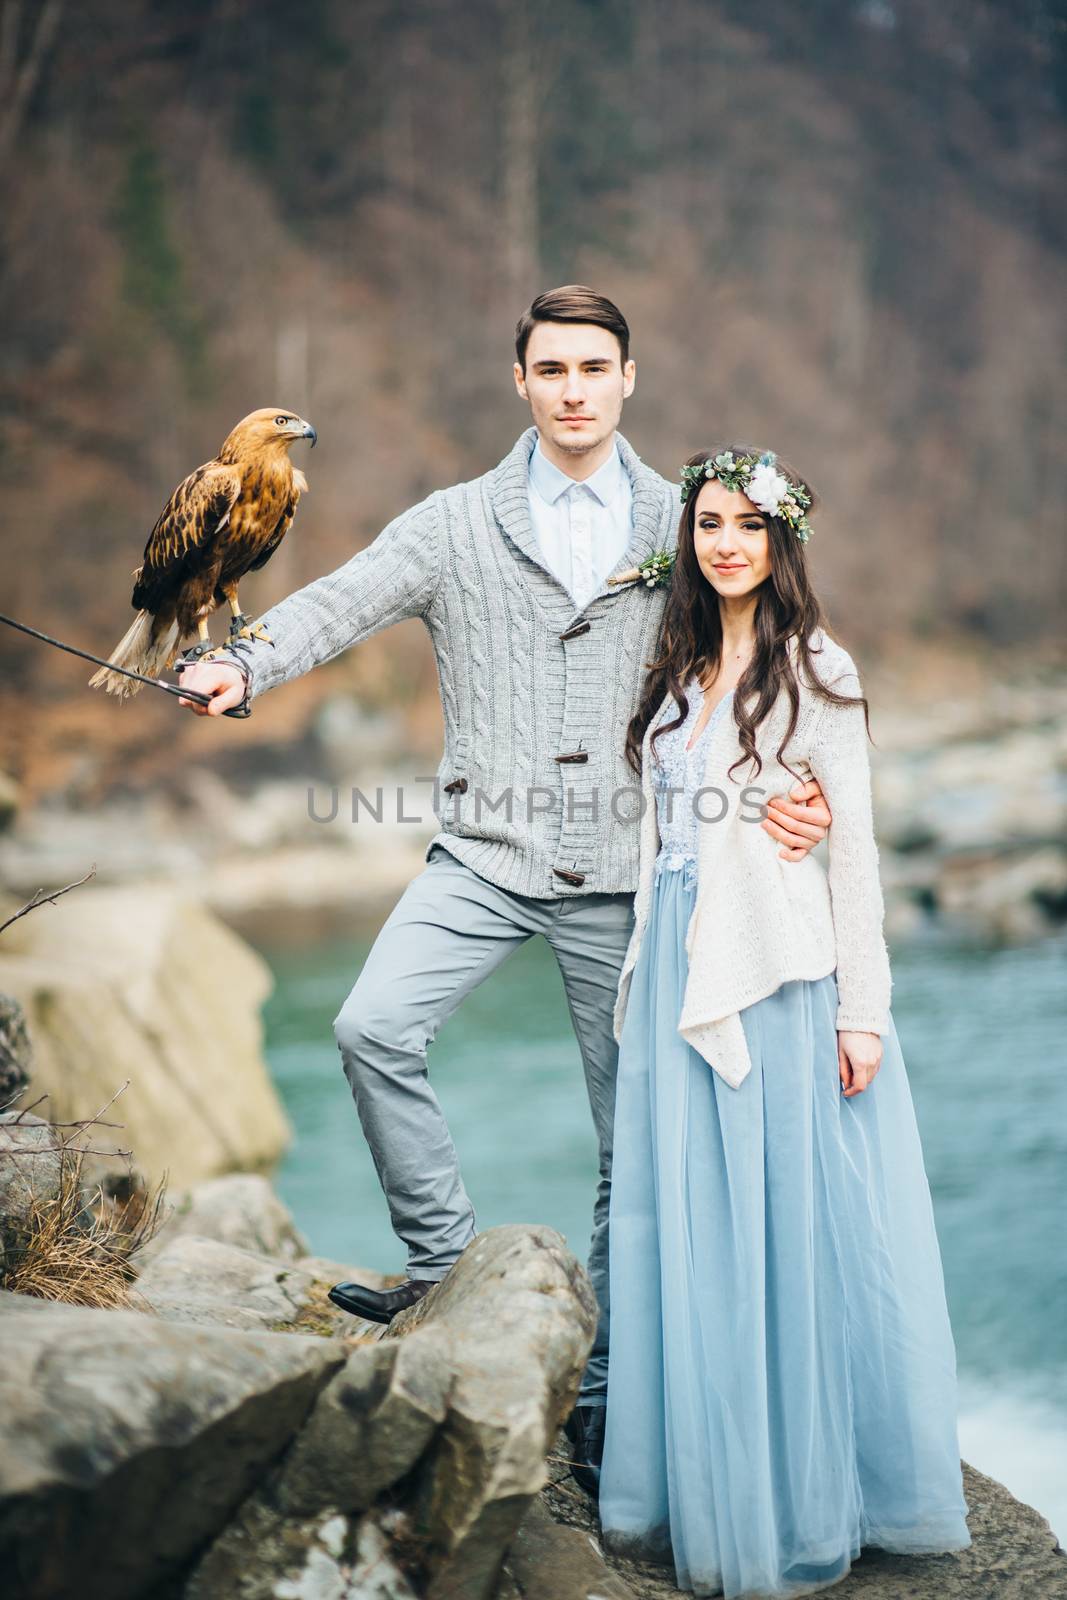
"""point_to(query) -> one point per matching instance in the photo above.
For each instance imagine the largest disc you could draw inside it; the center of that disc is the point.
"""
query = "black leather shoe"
(584, 1429)
(379, 1305)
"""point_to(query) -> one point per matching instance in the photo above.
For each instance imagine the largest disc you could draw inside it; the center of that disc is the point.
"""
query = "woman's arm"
(840, 762)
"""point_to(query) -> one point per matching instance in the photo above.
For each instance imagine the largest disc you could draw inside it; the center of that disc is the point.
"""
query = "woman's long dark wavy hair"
(690, 638)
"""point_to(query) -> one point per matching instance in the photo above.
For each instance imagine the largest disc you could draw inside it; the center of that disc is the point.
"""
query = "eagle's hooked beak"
(310, 434)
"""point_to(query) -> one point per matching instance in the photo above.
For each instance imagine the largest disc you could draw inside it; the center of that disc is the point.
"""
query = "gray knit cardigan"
(533, 791)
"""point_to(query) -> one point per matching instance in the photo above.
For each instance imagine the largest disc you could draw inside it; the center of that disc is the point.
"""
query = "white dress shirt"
(583, 529)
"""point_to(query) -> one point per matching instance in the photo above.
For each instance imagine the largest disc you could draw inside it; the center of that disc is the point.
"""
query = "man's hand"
(799, 820)
(224, 683)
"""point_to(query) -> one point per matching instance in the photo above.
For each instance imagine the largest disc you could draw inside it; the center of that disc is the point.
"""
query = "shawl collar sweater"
(525, 677)
(759, 921)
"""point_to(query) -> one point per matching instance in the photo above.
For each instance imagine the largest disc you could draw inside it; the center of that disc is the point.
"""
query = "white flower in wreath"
(767, 489)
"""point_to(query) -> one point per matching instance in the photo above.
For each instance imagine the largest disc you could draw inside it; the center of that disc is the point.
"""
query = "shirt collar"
(551, 483)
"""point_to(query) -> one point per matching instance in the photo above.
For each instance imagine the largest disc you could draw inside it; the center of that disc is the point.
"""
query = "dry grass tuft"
(78, 1244)
(81, 1251)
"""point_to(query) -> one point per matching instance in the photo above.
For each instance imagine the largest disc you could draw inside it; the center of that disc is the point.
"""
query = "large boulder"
(144, 984)
(191, 1279)
(126, 1442)
(366, 1433)
(229, 1253)
(519, 1314)
(459, 1403)
(200, 1280)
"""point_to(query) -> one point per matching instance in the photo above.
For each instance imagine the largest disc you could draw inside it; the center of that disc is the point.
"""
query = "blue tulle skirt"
(782, 1379)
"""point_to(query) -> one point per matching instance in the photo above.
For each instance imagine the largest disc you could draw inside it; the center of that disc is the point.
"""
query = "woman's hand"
(800, 821)
(859, 1055)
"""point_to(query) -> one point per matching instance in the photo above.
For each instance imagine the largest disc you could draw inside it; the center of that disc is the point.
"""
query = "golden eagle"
(227, 518)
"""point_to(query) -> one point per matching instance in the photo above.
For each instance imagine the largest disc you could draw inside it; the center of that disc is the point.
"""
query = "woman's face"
(731, 540)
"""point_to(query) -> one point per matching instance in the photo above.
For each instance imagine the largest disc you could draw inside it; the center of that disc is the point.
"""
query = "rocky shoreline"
(230, 1435)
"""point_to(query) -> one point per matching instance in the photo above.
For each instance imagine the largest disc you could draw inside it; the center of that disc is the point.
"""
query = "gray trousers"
(449, 930)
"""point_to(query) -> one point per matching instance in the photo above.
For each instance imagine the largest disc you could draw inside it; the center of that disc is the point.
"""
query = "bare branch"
(80, 1128)
(41, 899)
(105, 1107)
(86, 1123)
(57, 1149)
(41, 1098)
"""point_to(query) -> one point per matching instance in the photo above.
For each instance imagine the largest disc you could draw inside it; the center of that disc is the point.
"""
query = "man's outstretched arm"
(394, 578)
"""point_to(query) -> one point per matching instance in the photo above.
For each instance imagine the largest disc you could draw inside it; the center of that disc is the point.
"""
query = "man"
(541, 664)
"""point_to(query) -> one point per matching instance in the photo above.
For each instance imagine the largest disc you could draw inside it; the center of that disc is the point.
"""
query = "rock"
(30, 1174)
(459, 1402)
(201, 1280)
(373, 1424)
(518, 1315)
(1013, 895)
(16, 1054)
(145, 984)
(370, 1427)
(375, 1576)
(126, 1443)
(239, 1209)
(303, 885)
(326, 1559)
(190, 1279)
(1014, 1555)
(549, 1562)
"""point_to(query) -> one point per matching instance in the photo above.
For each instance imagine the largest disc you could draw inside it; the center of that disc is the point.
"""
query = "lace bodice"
(682, 771)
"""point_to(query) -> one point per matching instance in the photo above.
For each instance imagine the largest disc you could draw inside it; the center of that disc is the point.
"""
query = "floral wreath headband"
(758, 478)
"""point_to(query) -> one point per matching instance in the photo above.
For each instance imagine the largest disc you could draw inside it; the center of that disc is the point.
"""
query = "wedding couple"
(779, 1388)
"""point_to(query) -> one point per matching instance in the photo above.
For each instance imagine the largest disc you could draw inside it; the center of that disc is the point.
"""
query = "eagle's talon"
(250, 630)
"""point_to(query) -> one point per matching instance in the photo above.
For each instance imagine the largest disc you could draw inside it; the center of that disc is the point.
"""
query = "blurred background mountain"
(836, 228)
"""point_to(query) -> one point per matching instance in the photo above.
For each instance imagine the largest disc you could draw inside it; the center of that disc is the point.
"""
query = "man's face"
(575, 383)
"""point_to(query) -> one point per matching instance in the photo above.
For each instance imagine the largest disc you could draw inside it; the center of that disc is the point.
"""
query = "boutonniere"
(654, 572)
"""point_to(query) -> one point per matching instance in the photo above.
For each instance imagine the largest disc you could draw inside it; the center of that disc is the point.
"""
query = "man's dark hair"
(573, 303)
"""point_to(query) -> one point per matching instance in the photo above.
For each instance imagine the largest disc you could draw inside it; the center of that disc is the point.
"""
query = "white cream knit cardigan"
(760, 921)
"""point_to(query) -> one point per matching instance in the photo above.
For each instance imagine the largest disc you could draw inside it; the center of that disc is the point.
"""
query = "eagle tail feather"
(140, 649)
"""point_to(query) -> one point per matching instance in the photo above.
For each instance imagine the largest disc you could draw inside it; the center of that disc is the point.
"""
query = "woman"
(782, 1372)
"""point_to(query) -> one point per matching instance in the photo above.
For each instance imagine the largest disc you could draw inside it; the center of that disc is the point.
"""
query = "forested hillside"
(836, 228)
